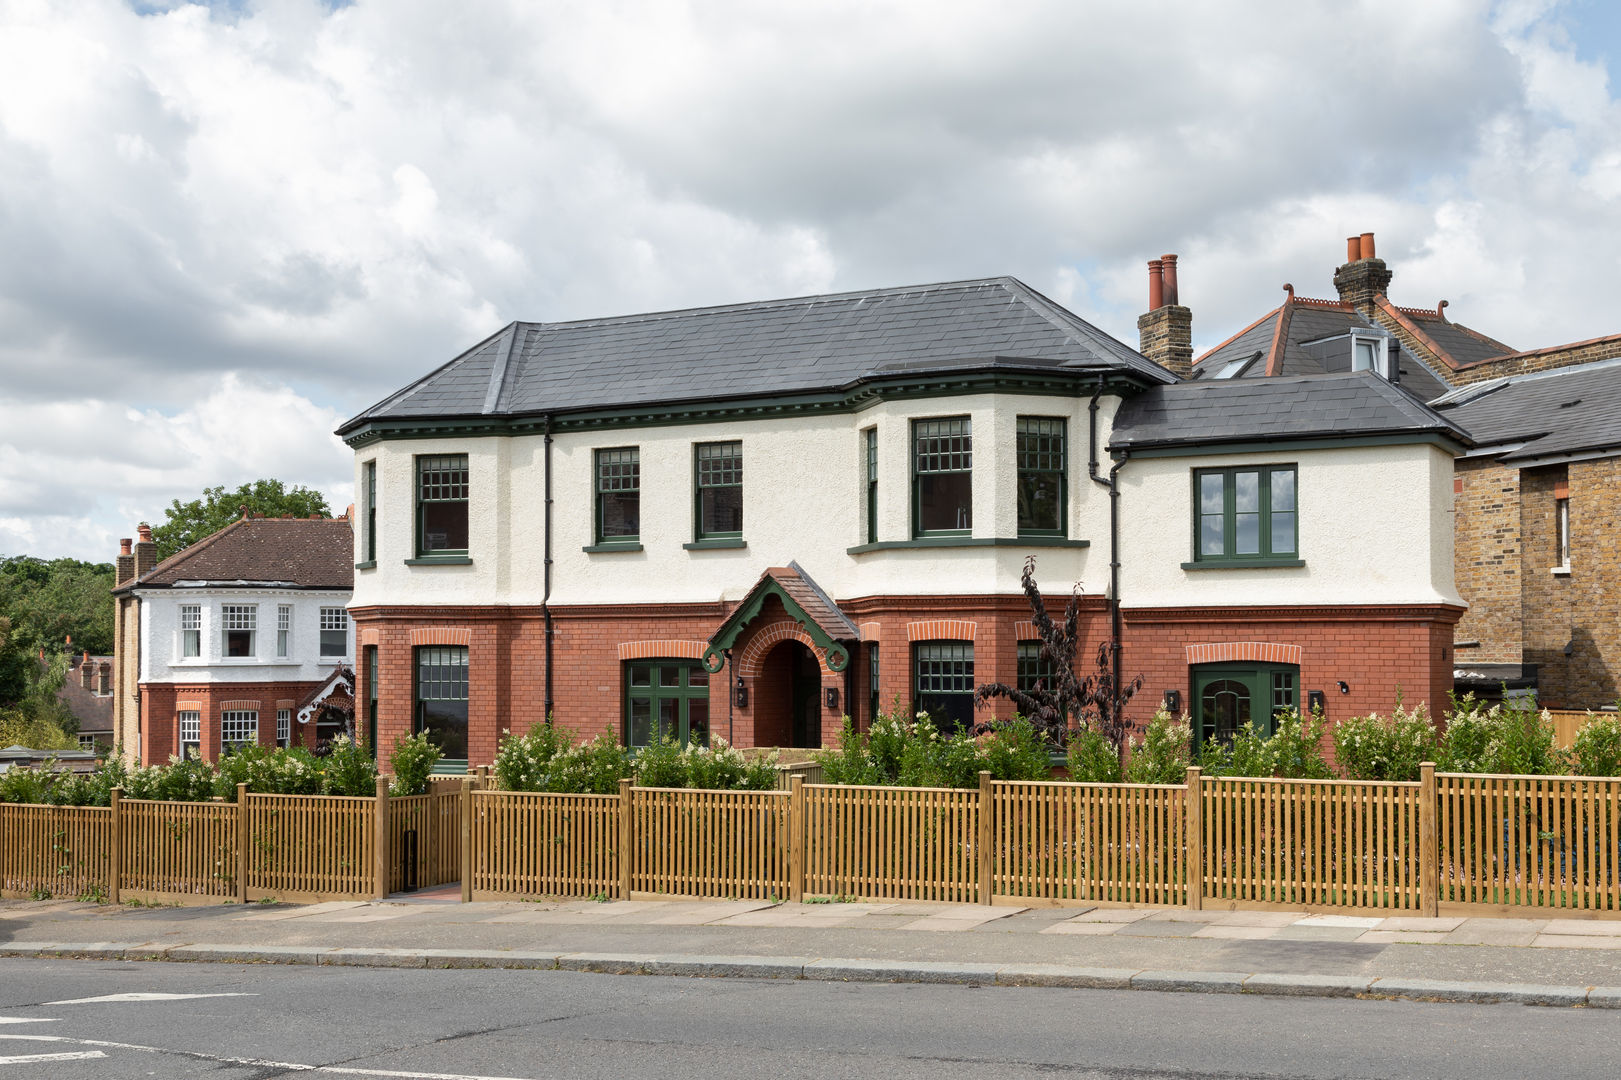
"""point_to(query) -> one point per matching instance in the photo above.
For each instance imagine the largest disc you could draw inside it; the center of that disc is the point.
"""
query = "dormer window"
(1365, 354)
(1363, 348)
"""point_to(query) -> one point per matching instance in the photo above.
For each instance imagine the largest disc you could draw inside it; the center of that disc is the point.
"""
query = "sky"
(225, 228)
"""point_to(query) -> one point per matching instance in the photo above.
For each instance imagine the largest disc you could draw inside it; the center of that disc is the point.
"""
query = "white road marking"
(261, 1063)
(142, 997)
(27, 1020)
(76, 1055)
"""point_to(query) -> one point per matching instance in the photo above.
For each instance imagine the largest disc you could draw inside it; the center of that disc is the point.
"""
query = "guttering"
(1112, 483)
(546, 598)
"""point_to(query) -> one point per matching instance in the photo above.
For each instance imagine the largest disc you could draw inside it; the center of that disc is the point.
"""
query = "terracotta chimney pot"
(126, 546)
(1353, 248)
(1367, 245)
(145, 533)
(1169, 264)
(1156, 284)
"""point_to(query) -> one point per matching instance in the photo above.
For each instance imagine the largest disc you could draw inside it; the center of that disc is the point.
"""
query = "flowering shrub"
(1092, 758)
(1512, 737)
(1292, 752)
(1163, 753)
(1596, 750)
(1378, 748)
(911, 752)
(718, 768)
(413, 760)
(523, 761)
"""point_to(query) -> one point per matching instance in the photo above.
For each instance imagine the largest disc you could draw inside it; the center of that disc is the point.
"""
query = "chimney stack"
(1364, 276)
(1166, 330)
(146, 550)
(125, 566)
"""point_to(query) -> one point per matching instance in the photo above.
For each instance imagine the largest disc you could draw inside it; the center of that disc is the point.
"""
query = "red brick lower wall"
(1379, 652)
(160, 724)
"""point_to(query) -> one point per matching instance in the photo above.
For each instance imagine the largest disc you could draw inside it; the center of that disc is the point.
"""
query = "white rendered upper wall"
(804, 500)
(163, 641)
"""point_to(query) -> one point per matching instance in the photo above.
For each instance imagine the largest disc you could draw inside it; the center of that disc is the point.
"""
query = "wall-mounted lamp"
(1316, 701)
(740, 694)
(831, 696)
(1345, 687)
(1173, 702)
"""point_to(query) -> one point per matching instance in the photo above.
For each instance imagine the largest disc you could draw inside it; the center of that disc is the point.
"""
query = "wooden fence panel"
(1537, 842)
(1111, 843)
(889, 843)
(528, 845)
(808, 771)
(722, 844)
(177, 851)
(433, 824)
(311, 847)
(1312, 843)
(61, 851)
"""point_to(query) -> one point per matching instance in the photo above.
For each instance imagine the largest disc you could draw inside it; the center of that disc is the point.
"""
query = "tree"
(190, 522)
(35, 717)
(50, 602)
(1092, 700)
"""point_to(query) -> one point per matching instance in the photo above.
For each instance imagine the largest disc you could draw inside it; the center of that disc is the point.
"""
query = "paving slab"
(1572, 941)
(1092, 929)
(1497, 932)
(1259, 918)
(1154, 928)
(1115, 915)
(304, 912)
(1402, 937)
(1236, 933)
(1584, 927)
(1419, 923)
(1188, 915)
(1358, 921)
(1318, 932)
(1604, 997)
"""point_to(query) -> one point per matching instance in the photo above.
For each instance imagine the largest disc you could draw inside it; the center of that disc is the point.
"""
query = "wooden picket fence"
(311, 847)
(527, 845)
(177, 852)
(708, 843)
(895, 842)
(59, 851)
(425, 836)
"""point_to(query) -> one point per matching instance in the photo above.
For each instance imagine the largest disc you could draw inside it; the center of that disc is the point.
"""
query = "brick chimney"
(146, 550)
(1166, 330)
(126, 562)
(1363, 276)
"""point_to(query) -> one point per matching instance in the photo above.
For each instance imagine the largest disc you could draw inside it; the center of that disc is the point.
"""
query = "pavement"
(1553, 961)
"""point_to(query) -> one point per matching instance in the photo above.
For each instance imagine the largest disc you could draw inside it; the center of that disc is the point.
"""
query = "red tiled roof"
(300, 552)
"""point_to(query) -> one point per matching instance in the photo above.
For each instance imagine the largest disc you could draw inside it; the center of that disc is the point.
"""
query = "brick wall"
(1581, 352)
(160, 702)
(1487, 559)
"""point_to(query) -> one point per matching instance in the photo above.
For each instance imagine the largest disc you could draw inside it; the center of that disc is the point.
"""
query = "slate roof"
(1282, 407)
(298, 553)
(94, 712)
(1562, 411)
(1306, 321)
(808, 344)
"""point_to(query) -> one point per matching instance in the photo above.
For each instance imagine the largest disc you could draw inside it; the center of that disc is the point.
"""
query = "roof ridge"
(1280, 336)
(412, 387)
(1382, 301)
(1549, 349)
(188, 551)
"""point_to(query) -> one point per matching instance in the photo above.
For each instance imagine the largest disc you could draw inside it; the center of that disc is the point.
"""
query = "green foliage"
(50, 601)
(1385, 748)
(592, 768)
(270, 771)
(191, 780)
(1292, 752)
(1092, 758)
(717, 768)
(412, 761)
(187, 523)
(1596, 750)
(522, 761)
(1511, 737)
(1163, 753)
(348, 769)
(911, 752)
(37, 718)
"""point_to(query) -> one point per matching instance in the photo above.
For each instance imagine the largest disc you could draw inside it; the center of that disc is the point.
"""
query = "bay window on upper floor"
(1041, 450)
(719, 489)
(942, 477)
(442, 496)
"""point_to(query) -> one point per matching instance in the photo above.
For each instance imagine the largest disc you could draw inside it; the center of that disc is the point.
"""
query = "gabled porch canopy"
(806, 604)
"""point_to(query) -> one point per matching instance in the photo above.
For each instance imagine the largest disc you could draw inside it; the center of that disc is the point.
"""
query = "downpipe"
(546, 598)
(1116, 627)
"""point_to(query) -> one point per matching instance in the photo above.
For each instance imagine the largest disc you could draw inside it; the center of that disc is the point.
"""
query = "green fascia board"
(969, 541)
(838, 657)
(848, 400)
(1272, 446)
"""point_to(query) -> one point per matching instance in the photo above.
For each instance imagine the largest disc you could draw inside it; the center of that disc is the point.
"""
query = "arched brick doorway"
(787, 697)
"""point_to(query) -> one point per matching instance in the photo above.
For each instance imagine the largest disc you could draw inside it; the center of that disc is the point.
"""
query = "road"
(228, 1021)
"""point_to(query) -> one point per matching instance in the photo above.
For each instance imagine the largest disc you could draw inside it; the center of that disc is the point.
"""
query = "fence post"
(115, 866)
(624, 838)
(467, 839)
(1429, 863)
(982, 842)
(796, 838)
(242, 840)
(384, 868)
(1194, 872)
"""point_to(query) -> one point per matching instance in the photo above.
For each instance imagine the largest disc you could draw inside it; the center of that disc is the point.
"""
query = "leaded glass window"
(720, 490)
(942, 476)
(944, 683)
(619, 495)
(442, 493)
(441, 698)
(1042, 459)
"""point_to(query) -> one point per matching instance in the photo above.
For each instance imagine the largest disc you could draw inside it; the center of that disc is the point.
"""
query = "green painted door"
(1227, 698)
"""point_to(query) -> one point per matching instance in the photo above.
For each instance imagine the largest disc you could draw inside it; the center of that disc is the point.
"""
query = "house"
(88, 695)
(219, 645)
(1545, 422)
(753, 520)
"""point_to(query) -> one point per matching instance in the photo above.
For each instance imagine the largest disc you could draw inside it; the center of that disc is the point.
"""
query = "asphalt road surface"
(65, 1020)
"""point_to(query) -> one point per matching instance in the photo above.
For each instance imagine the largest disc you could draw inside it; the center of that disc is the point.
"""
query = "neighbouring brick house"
(753, 520)
(1546, 444)
(222, 643)
(88, 695)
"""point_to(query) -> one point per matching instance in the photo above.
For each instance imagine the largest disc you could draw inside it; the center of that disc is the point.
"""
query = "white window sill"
(1559, 571)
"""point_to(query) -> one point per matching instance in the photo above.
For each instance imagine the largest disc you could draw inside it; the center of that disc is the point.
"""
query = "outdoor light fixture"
(1173, 702)
(1316, 701)
(1345, 687)
(832, 696)
(741, 694)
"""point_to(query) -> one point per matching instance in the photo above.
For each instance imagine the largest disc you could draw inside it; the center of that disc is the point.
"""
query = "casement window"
(1561, 525)
(334, 632)
(368, 482)
(191, 630)
(873, 702)
(441, 698)
(619, 495)
(1228, 699)
(1245, 514)
(942, 477)
(719, 490)
(284, 727)
(871, 442)
(191, 734)
(442, 488)
(284, 631)
(1042, 457)
(239, 624)
(1034, 667)
(371, 698)
(666, 699)
(238, 728)
(944, 683)
(87, 742)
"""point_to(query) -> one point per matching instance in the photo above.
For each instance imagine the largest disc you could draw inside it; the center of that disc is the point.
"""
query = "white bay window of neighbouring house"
(191, 630)
(191, 733)
(238, 728)
(284, 631)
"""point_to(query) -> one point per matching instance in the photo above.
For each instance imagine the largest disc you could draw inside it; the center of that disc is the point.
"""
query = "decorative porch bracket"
(835, 655)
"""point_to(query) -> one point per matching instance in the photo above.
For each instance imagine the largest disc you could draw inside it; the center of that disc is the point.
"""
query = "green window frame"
(371, 699)
(1033, 667)
(718, 491)
(871, 439)
(1229, 696)
(441, 696)
(619, 495)
(666, 698)
(873, 704)
(942, 477)
(1248, 513)
(1042, 450)
(943, 683)
(369, 474)
(442, 494)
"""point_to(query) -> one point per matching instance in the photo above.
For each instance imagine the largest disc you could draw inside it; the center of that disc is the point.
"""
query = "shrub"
(1163, 753)
(1378, 748)
(1511, 737)
(348, 769)
(1092, 758)
(1015, 750)
(522, 761)
(593, 768)
(721, 768)
(413, 760)
(1596, 750)
(911, 752)
(851, 762)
